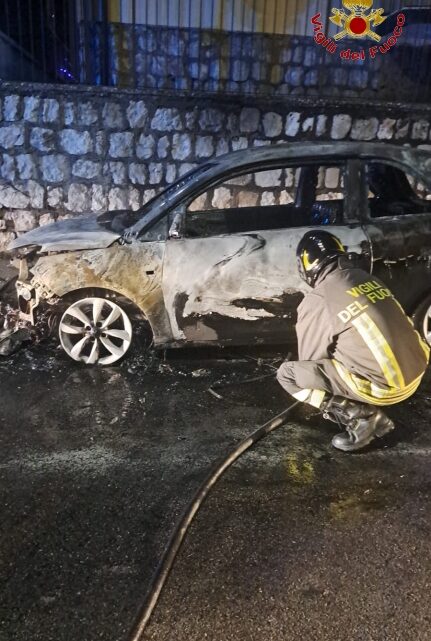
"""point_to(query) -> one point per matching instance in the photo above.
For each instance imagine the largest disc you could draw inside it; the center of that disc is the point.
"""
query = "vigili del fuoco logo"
(357, 22)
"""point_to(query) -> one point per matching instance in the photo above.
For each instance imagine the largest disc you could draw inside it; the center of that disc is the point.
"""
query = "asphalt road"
(298, 541)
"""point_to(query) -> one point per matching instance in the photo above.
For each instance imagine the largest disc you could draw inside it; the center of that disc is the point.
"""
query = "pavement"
(297, 541)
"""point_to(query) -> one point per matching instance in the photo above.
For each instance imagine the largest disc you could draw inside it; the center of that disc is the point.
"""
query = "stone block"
(6, 237)
(238, 143)
(145, 146)
(13, 198)
(420, 130)
(42, 139)
(249, 120)
(240, 70)
(118, 198)
(26, 166)
(46, 219)
(270, 178)
(101, 143)
(204, 146)
(148, 195)
(8, 168)
(155, 173)
(138, 173)
(386, 129)
(181, 146)
(222, 198)
(292, 123)
(86, 169)
(121, 144)
(267, 199)
(341, 125)
(31, 109)
(308, 124)
(185, 167)
(137, 113)
(247, 198)
(55, 196)
(11, 107)
(272, 124)
(75, 142)
(113, 116)
(134, 198)
(11, 136)
(222, 147)
(78, 197)
(311, 78)
(163, 147)
(99, 201)
(116, 172)
(364, 129)
(295, 76)
(402, 128)
(22, 219)
(69, 112)
(55, 168)
(358, 78)
(87, 114)
(166, 120)
(36, 193)
(211, 120)
(171, 173)
(321, 125)
(50, 110)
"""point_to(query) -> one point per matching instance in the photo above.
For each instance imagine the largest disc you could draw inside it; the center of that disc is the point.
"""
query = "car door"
(231, 275)
(397, 222)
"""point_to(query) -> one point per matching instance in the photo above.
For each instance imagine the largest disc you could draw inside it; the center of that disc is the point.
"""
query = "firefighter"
(358, 351)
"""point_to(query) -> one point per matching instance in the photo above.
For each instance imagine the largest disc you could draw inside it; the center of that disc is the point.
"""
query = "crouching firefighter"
(358, 351)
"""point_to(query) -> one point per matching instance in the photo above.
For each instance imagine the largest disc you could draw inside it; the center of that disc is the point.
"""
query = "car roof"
(418, 160)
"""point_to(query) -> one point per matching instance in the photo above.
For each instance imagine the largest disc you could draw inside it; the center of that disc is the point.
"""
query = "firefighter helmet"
(315, 250)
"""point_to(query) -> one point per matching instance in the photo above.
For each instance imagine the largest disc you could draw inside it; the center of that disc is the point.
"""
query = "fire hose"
(177, 538)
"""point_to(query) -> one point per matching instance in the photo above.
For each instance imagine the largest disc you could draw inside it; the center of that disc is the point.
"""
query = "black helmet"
(315, 250)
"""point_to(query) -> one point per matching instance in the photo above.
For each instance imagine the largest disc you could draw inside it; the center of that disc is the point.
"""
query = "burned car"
(211, 259)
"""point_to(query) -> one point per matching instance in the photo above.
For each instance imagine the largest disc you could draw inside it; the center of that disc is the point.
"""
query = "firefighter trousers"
(313, 381)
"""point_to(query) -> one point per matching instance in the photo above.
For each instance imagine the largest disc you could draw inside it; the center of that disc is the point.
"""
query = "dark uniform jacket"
(352, 318)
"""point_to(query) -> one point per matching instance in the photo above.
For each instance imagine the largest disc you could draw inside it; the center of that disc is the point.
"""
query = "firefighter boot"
(363, 423)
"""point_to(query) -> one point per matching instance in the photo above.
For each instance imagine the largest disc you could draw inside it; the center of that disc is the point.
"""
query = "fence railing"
(252, 47)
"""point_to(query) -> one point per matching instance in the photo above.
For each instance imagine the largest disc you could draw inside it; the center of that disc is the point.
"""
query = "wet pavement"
(297, 541)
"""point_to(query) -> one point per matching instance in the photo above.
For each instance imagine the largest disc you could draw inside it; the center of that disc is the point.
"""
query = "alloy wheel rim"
(95, 331)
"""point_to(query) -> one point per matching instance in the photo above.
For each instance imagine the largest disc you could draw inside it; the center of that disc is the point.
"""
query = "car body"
(228, 275)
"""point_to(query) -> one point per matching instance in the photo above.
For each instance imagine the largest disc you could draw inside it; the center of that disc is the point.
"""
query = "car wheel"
(422, 319)
(95, 331)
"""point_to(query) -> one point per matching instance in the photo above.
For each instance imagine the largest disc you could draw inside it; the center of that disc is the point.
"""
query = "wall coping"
(219, 99)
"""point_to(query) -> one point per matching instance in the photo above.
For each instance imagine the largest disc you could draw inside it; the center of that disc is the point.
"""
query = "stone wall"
(70, 150)
(252, 63)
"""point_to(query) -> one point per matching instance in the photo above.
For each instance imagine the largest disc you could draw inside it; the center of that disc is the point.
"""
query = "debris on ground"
(14, 332)
(197, 373)
(12, 339)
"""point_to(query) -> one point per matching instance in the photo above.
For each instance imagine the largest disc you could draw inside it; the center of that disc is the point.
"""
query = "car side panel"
(401, 251)
(238, 288)
(134, 270)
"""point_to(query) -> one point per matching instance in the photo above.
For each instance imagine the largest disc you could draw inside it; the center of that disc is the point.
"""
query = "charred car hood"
(83, 232)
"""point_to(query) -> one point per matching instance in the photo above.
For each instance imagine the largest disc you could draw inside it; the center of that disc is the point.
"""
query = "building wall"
(65, 150)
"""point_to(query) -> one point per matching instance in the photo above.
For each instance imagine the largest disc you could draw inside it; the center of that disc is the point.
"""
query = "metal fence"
(232, 46)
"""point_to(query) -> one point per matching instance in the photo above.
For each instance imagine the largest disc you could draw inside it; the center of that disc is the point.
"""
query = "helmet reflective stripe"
(306, 261)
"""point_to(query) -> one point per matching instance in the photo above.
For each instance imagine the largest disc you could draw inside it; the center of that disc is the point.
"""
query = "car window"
(274, 198)
(394, 192)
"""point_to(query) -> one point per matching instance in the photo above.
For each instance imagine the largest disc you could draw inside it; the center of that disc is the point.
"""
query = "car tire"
(422, 319)
(98, 328)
